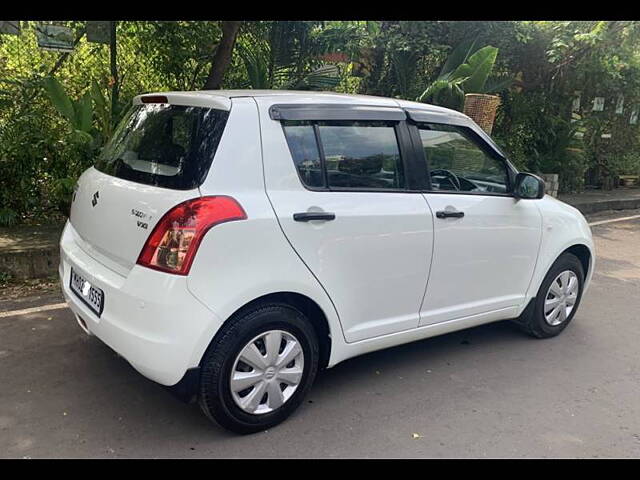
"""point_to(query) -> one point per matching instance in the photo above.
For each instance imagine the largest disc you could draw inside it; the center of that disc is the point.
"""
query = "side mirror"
(528, 186)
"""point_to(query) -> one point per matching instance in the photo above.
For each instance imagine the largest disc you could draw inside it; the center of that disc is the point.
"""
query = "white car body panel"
(563, 226)
(370, 271)
(153, 330)
(110, 230)
(483, 261)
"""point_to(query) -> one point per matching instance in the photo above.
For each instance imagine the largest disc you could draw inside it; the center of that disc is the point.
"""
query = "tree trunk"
(114, 71)
(222, 56)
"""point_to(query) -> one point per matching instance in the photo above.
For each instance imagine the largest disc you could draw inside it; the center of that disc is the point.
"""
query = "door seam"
(433, 246)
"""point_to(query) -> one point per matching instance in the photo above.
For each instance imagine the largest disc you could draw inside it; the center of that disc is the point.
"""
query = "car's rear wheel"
(259, 368)
(557, 300)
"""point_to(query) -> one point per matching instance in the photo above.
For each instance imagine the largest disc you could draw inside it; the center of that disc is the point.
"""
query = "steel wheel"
(267, 372)
(561, 298)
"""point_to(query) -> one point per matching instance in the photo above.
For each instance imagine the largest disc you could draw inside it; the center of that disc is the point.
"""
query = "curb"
(30, 263)
(602, 205)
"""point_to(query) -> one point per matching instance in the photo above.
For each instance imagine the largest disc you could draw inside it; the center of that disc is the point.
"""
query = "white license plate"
(92, 296)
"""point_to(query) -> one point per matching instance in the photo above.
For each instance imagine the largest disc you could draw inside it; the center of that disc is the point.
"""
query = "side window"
(457, 162)
(301, 139)
(361, 154)
(354, 154)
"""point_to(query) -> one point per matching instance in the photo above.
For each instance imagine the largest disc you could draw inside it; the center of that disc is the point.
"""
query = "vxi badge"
(139, 214)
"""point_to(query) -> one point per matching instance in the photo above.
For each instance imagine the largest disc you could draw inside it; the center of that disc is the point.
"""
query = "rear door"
(339, 181)
(485, 240)
(157, 158)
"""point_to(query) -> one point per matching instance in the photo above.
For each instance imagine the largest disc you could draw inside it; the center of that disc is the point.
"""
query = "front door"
(485, 240)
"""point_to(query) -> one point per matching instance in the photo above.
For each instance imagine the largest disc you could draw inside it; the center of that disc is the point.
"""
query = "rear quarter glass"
(168, 146)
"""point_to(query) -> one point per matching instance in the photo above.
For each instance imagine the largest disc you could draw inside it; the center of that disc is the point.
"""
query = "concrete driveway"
(485, 392)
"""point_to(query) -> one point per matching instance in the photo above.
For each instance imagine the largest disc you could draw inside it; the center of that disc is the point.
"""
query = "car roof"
(222, 99)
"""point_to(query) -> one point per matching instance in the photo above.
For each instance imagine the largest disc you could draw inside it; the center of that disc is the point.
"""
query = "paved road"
(484, 392)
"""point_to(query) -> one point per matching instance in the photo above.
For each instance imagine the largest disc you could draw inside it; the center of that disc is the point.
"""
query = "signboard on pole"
(55, 37)
(10, 28)
(598, 104)
(98, 32)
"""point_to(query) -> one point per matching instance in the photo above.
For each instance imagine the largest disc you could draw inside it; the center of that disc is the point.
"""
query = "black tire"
(215, 392)
(535, 324)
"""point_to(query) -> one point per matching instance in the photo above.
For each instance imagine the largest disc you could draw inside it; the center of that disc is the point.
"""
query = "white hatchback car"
(228, 244)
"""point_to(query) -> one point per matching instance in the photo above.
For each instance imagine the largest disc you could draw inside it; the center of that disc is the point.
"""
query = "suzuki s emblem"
(96, 196)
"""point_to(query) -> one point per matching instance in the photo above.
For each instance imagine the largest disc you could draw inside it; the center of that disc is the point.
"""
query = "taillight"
(174, 241)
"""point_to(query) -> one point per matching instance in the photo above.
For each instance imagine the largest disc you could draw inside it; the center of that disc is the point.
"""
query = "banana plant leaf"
(446, 92)
(481, 64)
(325, 77)
(60, 99)
(84, 113)
(256, 63)
(497, 85)
(459, 56)
(466, 70)
(80, 136)
(102, 110)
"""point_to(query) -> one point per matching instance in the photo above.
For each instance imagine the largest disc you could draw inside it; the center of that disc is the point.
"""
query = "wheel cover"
(561, 298)
(267, 372)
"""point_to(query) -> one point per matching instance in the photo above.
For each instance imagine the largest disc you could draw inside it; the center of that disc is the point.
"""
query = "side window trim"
(329, 112)
(405, 149)
(414, 180)
(419, 158)
(479, 142)
(454, 119)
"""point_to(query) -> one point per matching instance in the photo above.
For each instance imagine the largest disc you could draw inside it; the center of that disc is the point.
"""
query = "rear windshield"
(168, 146)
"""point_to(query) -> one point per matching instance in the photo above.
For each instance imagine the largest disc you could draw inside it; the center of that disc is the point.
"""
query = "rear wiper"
(118, 162)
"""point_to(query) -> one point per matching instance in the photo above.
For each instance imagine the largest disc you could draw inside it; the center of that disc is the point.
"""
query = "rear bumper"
(150, 318)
